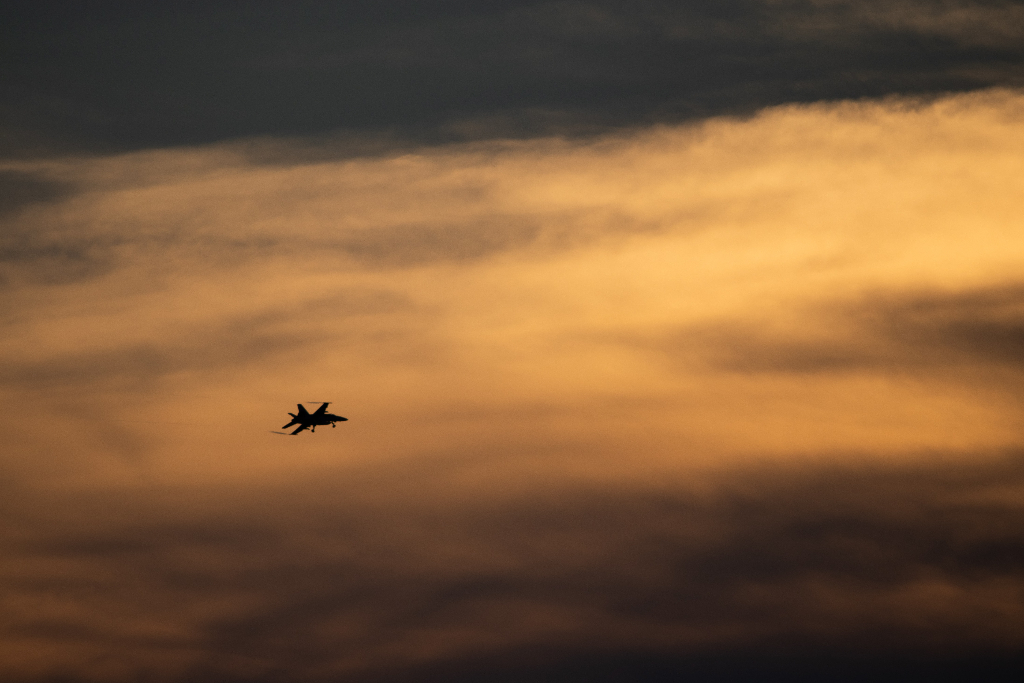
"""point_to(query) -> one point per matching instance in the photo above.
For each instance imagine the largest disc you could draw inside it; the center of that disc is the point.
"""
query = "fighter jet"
(311, 421)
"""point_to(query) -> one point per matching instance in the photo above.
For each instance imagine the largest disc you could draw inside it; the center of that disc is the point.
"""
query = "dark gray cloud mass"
(125, 75)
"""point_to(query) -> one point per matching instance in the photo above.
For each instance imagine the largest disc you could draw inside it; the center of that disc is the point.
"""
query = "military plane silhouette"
(311, 421)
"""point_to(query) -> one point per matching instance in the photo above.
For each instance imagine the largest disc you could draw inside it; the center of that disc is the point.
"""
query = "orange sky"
(707, 334)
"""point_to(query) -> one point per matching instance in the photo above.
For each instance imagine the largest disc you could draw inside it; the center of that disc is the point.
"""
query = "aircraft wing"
(322, 409)
(301, 427)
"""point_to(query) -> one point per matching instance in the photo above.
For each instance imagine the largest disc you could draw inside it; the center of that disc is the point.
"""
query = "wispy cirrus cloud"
(914, 332)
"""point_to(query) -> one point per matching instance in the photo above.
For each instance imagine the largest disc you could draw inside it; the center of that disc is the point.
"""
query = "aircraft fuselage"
(326, 419)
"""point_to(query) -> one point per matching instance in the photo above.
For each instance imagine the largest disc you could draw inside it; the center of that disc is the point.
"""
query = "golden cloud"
(673, 335)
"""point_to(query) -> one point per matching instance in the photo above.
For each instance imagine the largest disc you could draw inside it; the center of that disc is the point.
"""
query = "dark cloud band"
(118, 75)
(359, 576)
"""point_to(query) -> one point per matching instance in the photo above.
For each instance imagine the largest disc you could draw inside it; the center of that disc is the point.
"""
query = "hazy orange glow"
(670, 310)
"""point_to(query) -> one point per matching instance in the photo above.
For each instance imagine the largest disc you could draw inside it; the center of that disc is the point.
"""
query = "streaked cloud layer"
(744, 388)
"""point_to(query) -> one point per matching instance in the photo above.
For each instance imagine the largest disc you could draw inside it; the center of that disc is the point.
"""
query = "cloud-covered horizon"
(732, 391)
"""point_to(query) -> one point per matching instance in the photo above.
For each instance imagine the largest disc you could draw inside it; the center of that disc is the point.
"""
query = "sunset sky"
(679, 341)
